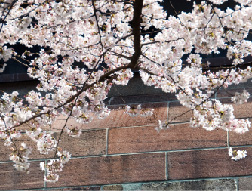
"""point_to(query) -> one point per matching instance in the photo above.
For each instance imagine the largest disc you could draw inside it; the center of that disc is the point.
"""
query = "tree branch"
(138, 6)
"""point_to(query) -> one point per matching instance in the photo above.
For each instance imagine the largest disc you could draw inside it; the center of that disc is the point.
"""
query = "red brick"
(13, 179)
(207, 163)
(141, 139)
(4, 152)
(114, 169)
(240, 139)
(59, 123)
(178, 113)
(118, 117)
(91, 142)
(242, 110)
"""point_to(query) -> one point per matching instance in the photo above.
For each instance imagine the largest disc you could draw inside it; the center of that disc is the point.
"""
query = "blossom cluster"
(54, 166)
(20, 157)
(237, 154)
(87, 46)
(134, 111)
(241, 98)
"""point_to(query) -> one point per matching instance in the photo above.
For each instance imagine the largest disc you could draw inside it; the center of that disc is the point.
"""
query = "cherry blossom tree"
(110, 38)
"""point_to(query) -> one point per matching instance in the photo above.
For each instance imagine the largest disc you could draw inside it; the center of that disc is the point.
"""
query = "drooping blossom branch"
(110, 39)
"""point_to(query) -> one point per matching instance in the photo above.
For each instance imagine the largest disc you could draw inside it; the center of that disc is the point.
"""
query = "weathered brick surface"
(12, 179)
(131, 135)
(242, 110)
(141, 139)
(240, 139)
(5, 151)
(245, 183)
(207, 163)
(115, 169)
(91, 142)
(178, 113)
(118, 117)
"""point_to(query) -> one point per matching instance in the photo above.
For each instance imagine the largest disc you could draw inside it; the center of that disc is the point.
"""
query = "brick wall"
(127, 153)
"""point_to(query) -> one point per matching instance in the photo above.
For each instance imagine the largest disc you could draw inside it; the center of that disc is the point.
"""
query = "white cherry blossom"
(87, 46)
